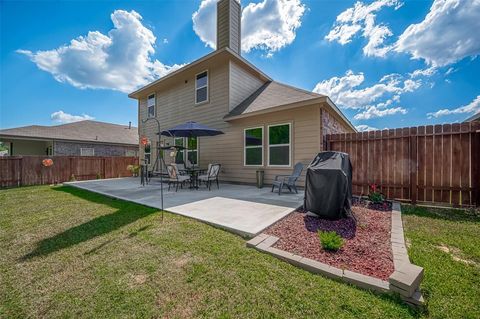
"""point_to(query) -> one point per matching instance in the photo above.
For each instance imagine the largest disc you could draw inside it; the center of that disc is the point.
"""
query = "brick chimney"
(229, 25)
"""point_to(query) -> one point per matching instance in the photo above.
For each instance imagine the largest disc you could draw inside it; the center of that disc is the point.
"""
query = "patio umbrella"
(191, 129)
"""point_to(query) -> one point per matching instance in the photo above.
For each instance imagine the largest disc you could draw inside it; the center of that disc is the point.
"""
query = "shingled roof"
(85, 131)
(270, 95)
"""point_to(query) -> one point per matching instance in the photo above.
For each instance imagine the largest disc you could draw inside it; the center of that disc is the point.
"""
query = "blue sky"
(362, 54)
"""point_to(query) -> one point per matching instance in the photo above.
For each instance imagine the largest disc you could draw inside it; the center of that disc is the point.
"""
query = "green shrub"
(72, 178)
(330, 240)
(375, 196)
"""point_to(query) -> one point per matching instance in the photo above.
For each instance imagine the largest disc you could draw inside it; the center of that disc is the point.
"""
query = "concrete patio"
(242, 209)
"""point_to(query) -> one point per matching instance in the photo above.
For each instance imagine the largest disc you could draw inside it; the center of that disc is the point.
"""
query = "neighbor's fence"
(436, 164)
(29, 170)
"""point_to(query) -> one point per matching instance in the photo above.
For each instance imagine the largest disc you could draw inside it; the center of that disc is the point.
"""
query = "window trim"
(87, 148)
(186, 150)
(256, 146)
(207, 86)
(289, 144)
(154, 105)
(149, 153)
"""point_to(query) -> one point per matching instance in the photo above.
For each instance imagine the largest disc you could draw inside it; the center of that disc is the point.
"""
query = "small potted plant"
(134, 169)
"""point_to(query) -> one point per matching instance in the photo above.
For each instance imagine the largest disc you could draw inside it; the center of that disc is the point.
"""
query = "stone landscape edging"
(405, 279)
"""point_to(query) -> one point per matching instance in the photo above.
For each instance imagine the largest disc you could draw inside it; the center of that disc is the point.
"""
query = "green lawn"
(65, 252)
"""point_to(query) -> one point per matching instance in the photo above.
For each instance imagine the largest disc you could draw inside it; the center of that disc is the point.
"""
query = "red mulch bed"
(367, 248)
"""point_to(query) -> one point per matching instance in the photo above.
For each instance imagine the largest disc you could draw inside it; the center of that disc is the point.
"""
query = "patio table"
(194, 172)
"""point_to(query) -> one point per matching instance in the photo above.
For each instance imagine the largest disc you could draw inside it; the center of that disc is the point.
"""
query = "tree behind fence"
(436, 164)
(29, 170)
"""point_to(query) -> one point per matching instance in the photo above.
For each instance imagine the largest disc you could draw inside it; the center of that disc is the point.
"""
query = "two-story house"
(268, 125)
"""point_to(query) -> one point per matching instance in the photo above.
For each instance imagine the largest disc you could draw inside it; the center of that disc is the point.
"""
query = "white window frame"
(256, 146)
(207, 86)
(149, 153)
(189, 150)
(186, 150)
(154, 105)
(87, 148)
(289, 144)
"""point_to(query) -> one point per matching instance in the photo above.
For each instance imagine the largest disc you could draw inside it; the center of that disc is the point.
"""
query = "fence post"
(104, 169)
(413, 165)
(475, 162)
(20, 181)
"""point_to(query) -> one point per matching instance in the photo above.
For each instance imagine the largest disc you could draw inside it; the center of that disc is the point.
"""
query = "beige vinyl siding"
(235, 26)
(305, 143)
(176, 104)
(228, 25)
(242, 84)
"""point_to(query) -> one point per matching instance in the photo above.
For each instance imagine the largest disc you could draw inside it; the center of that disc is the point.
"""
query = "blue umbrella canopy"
(191, 129)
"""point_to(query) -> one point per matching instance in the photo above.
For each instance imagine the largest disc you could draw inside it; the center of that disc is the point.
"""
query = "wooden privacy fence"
(436, 164)
(29, 170)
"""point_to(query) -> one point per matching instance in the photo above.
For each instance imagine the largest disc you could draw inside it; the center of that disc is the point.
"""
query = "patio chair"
(181, 168)
(212, 175)
(288, 180)
(175, 178)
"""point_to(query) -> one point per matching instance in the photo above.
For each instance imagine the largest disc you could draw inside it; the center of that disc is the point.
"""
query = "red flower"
(47, 162)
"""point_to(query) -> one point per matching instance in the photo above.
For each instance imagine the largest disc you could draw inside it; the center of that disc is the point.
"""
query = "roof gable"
(215, 55)
(271, 95)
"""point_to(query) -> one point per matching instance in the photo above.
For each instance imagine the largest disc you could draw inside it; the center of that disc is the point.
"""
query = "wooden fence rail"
(435, 164)
(28, 170)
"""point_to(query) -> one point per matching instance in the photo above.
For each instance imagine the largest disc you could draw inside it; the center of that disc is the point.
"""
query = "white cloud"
(365, 128)
(472, 108)
(205, 22)
(121, 60)
(345, 93)
(423, 72)
(269, 25)
(375, 111)
(360, 19)
(62, 117)
(448, 33)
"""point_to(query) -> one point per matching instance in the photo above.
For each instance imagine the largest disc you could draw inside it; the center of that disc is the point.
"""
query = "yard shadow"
(126, 213)
(345, 227)
(447, 214)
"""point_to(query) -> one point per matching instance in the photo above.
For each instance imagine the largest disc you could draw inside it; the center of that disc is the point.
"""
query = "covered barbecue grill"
(328, 185)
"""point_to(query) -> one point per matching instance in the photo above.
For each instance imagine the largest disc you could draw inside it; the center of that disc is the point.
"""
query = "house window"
(201, 87)
(253, 142)
(279, 145)
(148, 153)
(191, 151)
(180, 155)
(151, 105)
(87, 152)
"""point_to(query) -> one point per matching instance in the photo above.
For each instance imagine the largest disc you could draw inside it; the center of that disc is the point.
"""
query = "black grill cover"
(328, 185)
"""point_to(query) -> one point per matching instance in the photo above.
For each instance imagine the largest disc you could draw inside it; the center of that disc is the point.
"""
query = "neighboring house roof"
(271, 95)
(85, 131)
(474, 117)
(213, 55)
